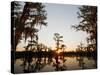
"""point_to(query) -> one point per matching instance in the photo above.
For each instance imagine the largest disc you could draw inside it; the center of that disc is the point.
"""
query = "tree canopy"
(25, 19)
(88, 23)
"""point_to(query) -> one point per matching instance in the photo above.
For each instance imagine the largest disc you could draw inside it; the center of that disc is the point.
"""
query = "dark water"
(45, 64)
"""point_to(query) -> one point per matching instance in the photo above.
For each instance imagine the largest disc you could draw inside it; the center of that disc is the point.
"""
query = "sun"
(58, 51)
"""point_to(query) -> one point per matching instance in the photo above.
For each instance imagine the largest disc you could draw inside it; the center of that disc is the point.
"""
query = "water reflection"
(81, 62)
(57, 63)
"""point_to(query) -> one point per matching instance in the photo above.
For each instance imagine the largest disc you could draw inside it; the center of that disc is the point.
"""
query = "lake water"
(45, 64)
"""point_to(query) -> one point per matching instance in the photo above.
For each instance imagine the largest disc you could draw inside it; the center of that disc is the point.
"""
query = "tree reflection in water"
(82, 63)
(59, 65)
(30, 64)
(80, 59)
(27, 64)
(41, 62)
(57, 62)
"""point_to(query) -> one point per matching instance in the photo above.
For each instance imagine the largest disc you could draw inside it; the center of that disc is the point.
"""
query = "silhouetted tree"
(15, 24)
(57, 38)
(63, 47)
(80, 47)
(33, 15)
(88, 23)
(36, 16)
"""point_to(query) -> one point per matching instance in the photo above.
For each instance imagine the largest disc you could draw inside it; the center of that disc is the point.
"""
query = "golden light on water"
(20, 49)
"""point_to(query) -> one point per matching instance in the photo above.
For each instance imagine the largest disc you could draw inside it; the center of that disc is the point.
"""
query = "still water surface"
(45, 64)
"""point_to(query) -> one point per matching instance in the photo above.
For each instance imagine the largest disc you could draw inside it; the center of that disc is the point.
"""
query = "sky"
(60, 18)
